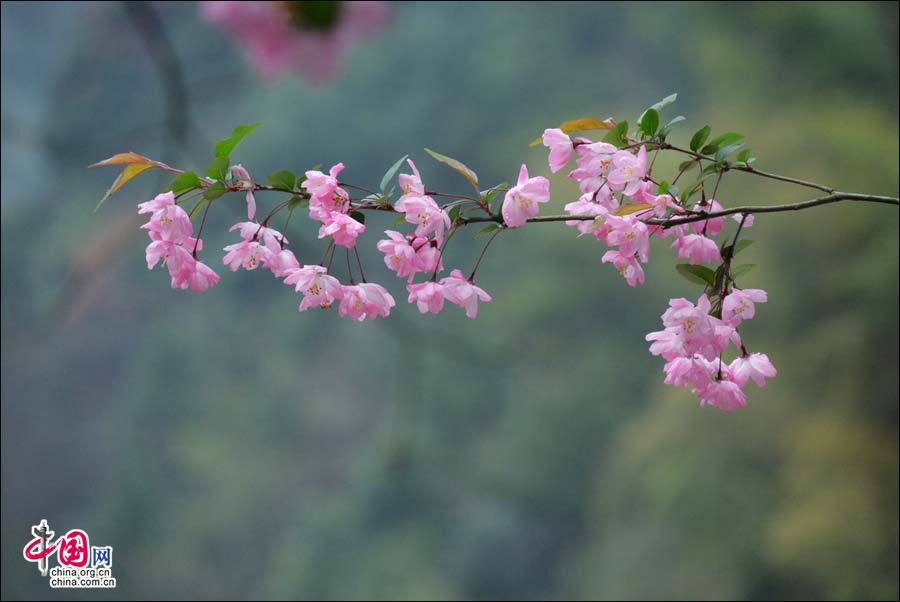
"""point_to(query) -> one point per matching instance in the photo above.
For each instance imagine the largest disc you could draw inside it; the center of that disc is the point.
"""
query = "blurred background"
(227, 446)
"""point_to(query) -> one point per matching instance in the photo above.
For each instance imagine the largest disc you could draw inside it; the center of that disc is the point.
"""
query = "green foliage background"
(227, 446)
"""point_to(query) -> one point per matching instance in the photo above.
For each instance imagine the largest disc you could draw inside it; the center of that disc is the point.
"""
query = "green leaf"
(454, 213)
(492, 227)
(184, 182)
(399, 220)
(490, 194)
(744, 157)
(195, 210)
(724, 140)
(649, 122)
(741, 245)
(617, 136)
(226, 145)
(698, 274)
(460, 167)
(214, 191)
(688, 165)
(723, 152)
(283, 179)
(664, 102)
(664, 132)
(298, 201)
(218, 168)
(699, 138)
(359, 216)
(390, 173)
(742, 269)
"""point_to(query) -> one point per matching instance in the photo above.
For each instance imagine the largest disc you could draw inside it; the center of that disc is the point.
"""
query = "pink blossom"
(629, 234)
(326, 196)
(399, 255)
(158, 202)
(342, 228)
(270, 237)
(411, 184)
(661, 204)
(428, 296)
(740, 305)
(710, 226)
(281, 263)
(521, 201)
(428, 255)
(748, 222)
(628, 265)
(192, 274)
(365, 301)
(240, 179)
(247, 254)
(697, 248)
(695, 372)
(755, 367)
(560, 146)
(427, 216)
(170, 223)
(318, 287)
(723, 394)
(628, 171)
(460, 291)
(279, 37)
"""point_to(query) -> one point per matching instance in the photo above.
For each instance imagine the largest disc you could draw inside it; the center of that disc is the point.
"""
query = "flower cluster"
(171, 235)
(618, 193)
(694, 341)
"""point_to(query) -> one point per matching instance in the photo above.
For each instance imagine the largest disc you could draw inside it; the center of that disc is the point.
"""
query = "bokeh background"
(227, 446)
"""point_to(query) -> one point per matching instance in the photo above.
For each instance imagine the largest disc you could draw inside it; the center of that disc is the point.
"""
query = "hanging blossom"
(522, 200)
(171, 235)
(309, 38)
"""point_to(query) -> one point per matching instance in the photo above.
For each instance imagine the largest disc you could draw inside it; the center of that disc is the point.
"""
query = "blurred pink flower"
(309, 38)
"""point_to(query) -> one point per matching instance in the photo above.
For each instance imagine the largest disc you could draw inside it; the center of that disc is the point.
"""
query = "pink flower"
(399, 255)
(594, 161)
(628, 265)
(695, 372)
(411, 184)
(710, 226)
(689, 330)
(428, 296)
(628, 171)
(326, 196)
(270, 237)
(170, 223)
(193, 274)
(739, 217)
(629, 234)
(301, 36)
(740, 305)
(723, 394)
(428, 255)
(365, 301)
(158, 202)
(560, 146)
(521, 201)
(755, 367)
(318, 287)
(241, 180)
(427, 216)
(460, 291)
(662, 204)
(248, 254)
(697, 248)
(342, 228)
(281, 263)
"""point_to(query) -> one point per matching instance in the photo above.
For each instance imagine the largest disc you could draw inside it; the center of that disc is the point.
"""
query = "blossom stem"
(200, 229)
(483, 251)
